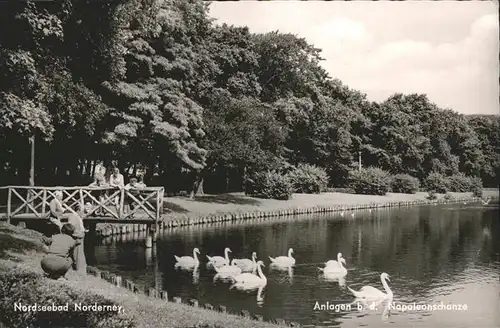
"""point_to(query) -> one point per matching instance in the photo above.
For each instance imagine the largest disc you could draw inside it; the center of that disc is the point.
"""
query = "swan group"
(247, 274)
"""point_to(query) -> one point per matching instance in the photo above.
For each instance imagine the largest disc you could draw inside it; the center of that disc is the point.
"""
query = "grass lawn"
(21, 248)
(175, 207)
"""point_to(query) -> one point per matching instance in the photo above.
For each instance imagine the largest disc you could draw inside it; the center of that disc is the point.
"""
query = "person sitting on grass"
(60, 253)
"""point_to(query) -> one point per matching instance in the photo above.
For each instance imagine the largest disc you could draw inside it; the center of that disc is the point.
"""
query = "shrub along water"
(404, 183)
(271, 185)
(370, 181)
(308, 179)
(459, 183)
(437, 183)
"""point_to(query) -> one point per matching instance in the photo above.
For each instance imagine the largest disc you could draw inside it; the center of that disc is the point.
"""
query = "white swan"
(372, 293)
(247, 265)
(228, 269)
(336, 269)
(248, 280)
(284, 260)
(333, 262)
(218, 261)
(187, 261)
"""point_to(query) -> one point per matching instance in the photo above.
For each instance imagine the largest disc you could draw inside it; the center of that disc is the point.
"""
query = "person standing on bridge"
(56, 210)
(99, 182)
(133, 188)
(116, 180)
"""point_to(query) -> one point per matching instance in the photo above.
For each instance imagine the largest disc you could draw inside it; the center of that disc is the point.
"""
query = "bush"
(431, 195)
(448, 196)
(270, 185)
(459, 183)
(308, 179)
(405, 184)
(437, 183)
(27, 287)
(476, 187)
(369, 181)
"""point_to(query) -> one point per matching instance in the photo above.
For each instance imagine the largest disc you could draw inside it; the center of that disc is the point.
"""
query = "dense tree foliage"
(158, 85)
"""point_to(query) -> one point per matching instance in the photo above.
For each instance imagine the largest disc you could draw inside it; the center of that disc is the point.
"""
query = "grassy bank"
(183, 207)
(20, 253)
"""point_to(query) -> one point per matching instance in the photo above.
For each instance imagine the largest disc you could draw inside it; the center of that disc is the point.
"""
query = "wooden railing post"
(157, 206)
(44, 201)
(82, 201)
(122, 202)
(9, 201)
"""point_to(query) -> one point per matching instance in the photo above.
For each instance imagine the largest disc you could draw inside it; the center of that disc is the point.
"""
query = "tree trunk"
(94, 164)
(88, 167)
(197, 188)
(32, 163)
(244, 180)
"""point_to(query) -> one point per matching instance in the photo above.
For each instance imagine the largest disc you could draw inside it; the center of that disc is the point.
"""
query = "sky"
(448, 50)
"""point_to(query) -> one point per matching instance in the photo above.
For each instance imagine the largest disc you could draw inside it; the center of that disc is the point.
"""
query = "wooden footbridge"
(100, 204)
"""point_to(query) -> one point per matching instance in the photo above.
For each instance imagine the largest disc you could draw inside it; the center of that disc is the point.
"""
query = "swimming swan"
(336, 269)
(219, 260)
(188, 260)
(247, 265)
(228, 269)
(284, 260)
(333, 262)
(249, 280)
(372, 293)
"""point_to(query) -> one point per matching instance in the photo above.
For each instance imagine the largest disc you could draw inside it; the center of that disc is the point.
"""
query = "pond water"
(445, 254)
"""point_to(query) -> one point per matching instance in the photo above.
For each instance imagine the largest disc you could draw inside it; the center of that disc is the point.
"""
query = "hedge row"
(440, 183)
(369, 181)
(375, 181)
(18, 284)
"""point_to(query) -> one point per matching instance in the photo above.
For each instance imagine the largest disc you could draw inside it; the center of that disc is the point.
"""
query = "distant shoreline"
(234, 203)
(234, 207)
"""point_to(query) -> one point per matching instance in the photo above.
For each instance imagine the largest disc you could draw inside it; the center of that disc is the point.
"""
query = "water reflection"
(448, 254)
(282, 274)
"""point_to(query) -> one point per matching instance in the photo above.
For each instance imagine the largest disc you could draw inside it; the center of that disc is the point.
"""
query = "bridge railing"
(118, 203)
